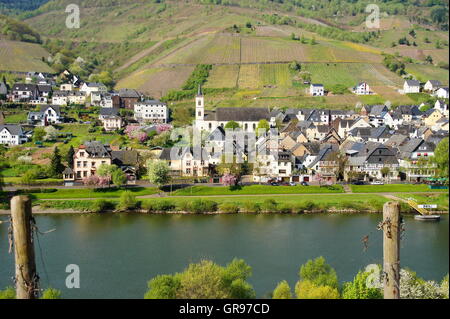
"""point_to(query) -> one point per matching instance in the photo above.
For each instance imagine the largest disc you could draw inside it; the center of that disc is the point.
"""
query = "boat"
(427, 217)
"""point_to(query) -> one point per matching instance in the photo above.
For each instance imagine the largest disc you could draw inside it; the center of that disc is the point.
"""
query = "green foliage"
(232, 125)
(441, 157)
(118, 177)
(8, 293)
(319, 273)
(127, 201)
(357, 289)
(394, 64)
(204, 280)
(282, 291)
(202, 206)
(198, 77)
(338, 89)
(51, 293)
(39, 134)
(263, 125)
(158, 172)
(308, 290)
(69, 156)
(100, 205)
(229, 208)
(56, 166)
(269, 205)
(17, 31)
(252, 207)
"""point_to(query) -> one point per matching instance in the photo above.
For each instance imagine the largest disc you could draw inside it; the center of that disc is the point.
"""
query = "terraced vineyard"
(425, 72)
(22, 57)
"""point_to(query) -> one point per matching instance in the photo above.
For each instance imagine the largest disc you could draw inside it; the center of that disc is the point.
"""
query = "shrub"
(203, 206)
(100, 205)
(282, 291)
(285, 209)
(252, 207)
(308, 290)
(375, 205)
(269, 205)
(127, 201)
(163, 206)
(309, 205)
(184, 206)
(229, 208)
(8, 293)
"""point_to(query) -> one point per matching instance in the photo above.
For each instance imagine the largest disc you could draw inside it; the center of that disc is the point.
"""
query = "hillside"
(22, 57)
(154, 46)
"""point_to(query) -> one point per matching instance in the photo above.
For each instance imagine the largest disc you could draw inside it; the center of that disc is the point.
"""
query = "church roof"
(240, 114)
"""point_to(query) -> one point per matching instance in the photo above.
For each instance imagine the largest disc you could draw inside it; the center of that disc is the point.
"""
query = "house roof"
(124, 157)
(129, 93)
(25, 87)
(44, 108)
(109, 111)
(241, 114)
(97, 149)
(13, 129)
(412, 82)
(177, 153)
(435, 82)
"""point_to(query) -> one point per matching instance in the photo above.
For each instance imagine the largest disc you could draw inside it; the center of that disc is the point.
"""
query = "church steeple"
(199, 104)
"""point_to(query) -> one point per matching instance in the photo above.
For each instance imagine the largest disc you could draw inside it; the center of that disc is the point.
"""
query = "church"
(246, 117)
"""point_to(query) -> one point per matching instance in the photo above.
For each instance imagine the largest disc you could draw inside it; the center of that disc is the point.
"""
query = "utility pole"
(26, 276)
(391, 250)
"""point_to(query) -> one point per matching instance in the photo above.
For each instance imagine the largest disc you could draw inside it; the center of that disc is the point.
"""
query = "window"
(78, 164)
(188, 170)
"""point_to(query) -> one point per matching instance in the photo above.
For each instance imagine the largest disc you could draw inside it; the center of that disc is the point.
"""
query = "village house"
(431, 116)
(66, 87)
(60, 98)
(12, 134)
(24, 92)
(128, 98)
(91, 155)
(76, 97)
(411, 86)
(153, 111)
(90, 87)
(111, 119)
(48, 114)
(432, 85)
(441, 106)
(442, 93)
(316, 90)
(186, 161)
(362, 88)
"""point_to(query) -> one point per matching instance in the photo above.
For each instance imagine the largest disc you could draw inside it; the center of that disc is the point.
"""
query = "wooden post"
(391, 250)
(26, 277)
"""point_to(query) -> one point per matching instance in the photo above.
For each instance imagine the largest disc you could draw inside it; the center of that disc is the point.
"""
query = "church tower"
(199, 105)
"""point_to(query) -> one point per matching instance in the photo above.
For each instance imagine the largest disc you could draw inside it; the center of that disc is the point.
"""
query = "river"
(118, 254)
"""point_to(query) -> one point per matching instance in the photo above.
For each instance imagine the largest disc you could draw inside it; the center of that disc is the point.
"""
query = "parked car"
(357, 183)
(304, 184)
(293, 183)
(377, 183)
(274, 184)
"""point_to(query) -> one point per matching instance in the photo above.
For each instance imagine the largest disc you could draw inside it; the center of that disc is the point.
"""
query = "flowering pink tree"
(92, 180)
(135, 132)
(160, 128)
(229, 180)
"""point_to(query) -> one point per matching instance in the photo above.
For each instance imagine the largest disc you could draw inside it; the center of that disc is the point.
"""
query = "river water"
(118, 254)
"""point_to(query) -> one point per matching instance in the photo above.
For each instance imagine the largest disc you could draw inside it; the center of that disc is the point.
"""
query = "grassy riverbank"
(394, 188)
(80, 193)
(441, 200)
(256, 190)
(231, 204)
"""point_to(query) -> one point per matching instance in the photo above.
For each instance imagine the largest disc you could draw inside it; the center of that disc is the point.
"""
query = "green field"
(94, 193)
(255, 190)
(425, 72)
(23, 57)
(393, 188)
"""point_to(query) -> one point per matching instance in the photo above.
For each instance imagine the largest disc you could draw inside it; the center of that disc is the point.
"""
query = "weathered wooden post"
(26, 276)
(391, 250)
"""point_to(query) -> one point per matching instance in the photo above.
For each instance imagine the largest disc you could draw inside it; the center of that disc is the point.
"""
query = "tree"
(357, 289)
(232, 125)
(118, 177)
(69, 156)
(51, 293)
(263, 125)
(319, 273)
(204, 280)
(413, 287)
(308, 290)
(56, 167)
(158, 172)
(234, 168)
(441, 158)
(28, 177)
(39, 134)
(385, 171)
(282, 291)
(229, 180)
(429, 59)
(127, 201)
